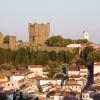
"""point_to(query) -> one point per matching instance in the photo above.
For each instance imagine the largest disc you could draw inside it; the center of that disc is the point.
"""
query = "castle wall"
(12, 42)
(5, 45)
(49, 49)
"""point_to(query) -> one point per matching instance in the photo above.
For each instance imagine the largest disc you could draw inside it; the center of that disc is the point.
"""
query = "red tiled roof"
(45, 78)
(98, 74)
(97, 64)
(36, 66)
(2, 77)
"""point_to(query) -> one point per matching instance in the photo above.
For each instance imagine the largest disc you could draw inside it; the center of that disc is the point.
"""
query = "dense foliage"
(59, 41)
(89, 55)
(24, 56)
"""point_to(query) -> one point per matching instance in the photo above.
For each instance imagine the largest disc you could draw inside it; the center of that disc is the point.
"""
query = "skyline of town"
(67, 18)
(49, 50)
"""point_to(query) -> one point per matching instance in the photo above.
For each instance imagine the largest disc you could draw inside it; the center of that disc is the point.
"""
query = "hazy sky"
(68, 18)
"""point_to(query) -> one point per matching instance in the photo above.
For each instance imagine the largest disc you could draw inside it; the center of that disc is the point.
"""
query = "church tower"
(85, 35)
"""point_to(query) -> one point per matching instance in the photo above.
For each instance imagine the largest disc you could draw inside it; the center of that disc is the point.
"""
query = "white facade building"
(48, 80)
(83, 71)
(85, 35)
(74, 46)
(37, 70)
(73, 72)
(96, 67)
(16, 77)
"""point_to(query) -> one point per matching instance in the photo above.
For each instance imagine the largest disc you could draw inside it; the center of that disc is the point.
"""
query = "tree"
(53, 68)
(53, 56)
(1, 56)
(65, 57)
(42, 58)
(84, 54)
(22, 57)
(93, 56)
(56, 41)
(33, 57)
(7, 56)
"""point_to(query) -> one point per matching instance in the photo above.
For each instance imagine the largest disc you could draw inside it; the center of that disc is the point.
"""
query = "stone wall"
(12, 42)
(49, 49)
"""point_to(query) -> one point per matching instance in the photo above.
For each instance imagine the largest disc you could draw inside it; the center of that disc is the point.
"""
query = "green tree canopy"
(56, 41)
(53, 68)
(22, 57)
(93, 56)
(84, 54)
(65, 57)
(42, 58)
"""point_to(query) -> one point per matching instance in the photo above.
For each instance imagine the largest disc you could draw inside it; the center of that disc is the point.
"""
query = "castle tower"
(38, 33)
(86, 35)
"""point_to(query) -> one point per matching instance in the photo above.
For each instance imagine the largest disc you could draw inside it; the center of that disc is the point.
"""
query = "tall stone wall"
(39, 33)
(49, 49)
(12, 42)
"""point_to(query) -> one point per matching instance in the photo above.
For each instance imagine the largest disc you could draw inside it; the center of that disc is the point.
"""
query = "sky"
(68, 18)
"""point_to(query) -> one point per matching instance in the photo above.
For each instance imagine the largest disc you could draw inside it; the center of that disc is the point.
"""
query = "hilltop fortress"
(38, 34)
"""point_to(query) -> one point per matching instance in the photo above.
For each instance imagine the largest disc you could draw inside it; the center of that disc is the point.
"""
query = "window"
(33, 39)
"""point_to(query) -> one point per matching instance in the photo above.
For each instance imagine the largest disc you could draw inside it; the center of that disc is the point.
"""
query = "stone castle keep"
(7, 42)
(38, 33)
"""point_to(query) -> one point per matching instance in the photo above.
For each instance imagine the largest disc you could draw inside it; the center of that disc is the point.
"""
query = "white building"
(72, 87)
(83, 71)
(16, 77)
(73, 72)
(96, 67)
(85, 35)
(50, 80)
(74, 46)
(37, 70)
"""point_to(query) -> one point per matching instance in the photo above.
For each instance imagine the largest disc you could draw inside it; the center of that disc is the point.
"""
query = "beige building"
(37, 70)
(39, 33)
